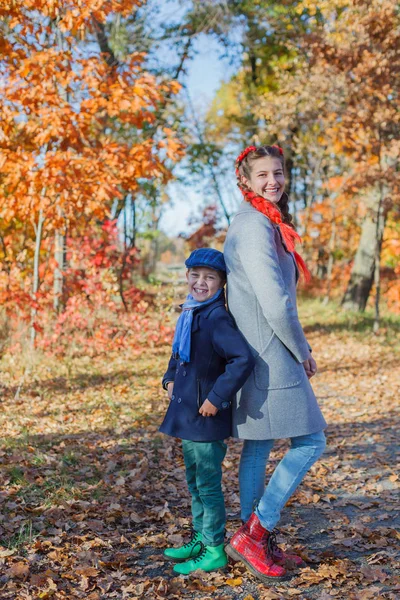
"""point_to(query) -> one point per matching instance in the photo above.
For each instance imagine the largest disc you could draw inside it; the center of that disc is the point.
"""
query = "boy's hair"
(222, 276)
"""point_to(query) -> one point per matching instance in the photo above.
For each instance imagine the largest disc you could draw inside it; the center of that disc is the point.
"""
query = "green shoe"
(210, 558)
(189, 550)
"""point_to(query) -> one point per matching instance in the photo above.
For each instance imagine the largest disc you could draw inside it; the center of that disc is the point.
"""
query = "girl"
(277, 400)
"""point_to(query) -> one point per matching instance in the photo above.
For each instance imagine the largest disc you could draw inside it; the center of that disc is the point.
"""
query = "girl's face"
(203, 283)
(267, 178)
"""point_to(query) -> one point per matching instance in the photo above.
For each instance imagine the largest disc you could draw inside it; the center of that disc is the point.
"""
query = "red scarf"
(289, 235)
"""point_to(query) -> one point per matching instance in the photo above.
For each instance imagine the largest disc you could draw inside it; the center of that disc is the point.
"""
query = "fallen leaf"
(374, 574)
(234, 582)
(87, 571)
(20, 570)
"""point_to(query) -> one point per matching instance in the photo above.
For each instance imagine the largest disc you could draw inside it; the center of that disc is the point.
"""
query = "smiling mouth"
(200, 291)
(271, 190)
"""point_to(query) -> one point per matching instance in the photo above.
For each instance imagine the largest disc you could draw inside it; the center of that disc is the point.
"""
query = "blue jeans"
(203, 462)
(270, 500)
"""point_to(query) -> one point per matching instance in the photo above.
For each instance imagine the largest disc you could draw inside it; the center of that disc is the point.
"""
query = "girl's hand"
(207, 409)
(310, 367)
(170, 389)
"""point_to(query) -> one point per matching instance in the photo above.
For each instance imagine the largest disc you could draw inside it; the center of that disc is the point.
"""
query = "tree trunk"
(60, 257)
(124, 255)
(36, 263)
(60, 239)
(331, 260)
(380, 227)
(362, 274)
(133, 225)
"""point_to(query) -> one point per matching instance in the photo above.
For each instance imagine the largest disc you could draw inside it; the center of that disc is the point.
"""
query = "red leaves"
(94, 320)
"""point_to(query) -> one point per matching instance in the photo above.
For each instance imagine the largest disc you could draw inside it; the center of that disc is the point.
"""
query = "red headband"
(278, 148)
(243, 155)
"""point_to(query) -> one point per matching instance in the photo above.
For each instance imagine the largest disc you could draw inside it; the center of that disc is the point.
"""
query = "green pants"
(203, 461)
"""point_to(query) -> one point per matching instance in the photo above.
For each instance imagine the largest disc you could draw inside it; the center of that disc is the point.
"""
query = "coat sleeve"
(231, 345)
(257, 251)
(170, 373)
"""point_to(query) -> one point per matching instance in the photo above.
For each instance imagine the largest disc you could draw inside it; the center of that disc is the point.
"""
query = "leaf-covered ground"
(91, 493)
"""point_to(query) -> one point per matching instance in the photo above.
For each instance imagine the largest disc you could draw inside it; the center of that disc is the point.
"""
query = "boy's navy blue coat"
(220, 363)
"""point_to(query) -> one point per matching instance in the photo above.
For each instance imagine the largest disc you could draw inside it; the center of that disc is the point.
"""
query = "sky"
(205, 73)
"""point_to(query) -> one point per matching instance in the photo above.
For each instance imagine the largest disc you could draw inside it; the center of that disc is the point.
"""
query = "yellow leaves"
(326, 7)
(234, 582)
(49, 591)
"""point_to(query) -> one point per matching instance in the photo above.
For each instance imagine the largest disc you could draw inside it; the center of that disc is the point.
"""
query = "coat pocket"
(276, 368)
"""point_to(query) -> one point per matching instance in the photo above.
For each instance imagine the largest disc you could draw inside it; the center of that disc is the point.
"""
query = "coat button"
(179, 400)
(184, 373)
(225, 404)
(173, 397)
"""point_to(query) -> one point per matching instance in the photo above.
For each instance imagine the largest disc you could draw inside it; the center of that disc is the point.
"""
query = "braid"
(283, 206)
(243, 166)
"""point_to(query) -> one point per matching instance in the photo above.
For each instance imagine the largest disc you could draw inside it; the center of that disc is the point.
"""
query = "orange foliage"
(56, 148)
(79, 128)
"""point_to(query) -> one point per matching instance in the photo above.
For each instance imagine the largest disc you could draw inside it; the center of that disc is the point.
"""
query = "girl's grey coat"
(277, 400)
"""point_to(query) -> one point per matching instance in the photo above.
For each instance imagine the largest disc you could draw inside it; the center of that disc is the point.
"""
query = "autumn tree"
(331, 100)
(63, 96)
(363, 49)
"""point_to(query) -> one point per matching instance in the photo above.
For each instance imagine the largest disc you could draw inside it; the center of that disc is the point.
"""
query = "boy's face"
(203, 283)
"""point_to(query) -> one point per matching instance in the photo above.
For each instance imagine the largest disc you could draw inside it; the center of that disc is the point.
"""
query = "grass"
(70, 459)
(25, 536)
(330, 318)
(16, 476)
(54, 489)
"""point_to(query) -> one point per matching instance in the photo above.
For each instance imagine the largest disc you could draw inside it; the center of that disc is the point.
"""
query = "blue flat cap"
(206, 257)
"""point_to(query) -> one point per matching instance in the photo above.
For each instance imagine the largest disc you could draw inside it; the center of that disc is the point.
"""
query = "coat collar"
(246, 207)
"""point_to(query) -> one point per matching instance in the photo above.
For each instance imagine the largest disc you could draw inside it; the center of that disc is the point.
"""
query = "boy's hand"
(207, 409)
(310, 367)
(170, 389)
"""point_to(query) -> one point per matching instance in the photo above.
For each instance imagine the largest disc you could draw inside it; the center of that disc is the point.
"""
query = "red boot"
(279, 556)
(250, 546)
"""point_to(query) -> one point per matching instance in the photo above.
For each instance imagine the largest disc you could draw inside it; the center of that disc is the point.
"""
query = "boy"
(210, 362)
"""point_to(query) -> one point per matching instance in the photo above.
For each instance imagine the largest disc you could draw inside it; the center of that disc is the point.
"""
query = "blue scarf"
(182, 337)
